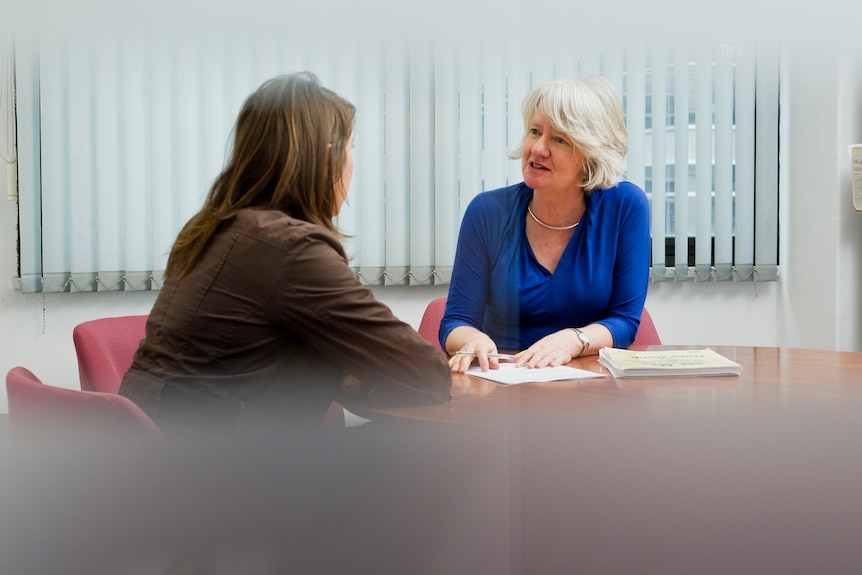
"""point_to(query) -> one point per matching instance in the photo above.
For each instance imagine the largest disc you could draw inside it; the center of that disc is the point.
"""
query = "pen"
(497, 355)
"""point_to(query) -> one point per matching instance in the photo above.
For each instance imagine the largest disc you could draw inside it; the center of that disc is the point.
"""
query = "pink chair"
(105, 348)
(430, 324)
(38, 410)
(647, 333)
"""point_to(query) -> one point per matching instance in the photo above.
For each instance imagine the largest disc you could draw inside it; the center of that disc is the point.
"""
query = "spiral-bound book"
(664, 363)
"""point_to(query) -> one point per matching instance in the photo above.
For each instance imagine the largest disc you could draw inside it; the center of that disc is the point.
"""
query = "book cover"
(660, 363)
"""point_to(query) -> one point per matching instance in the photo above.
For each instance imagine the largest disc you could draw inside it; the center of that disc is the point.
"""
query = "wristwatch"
(584, 340)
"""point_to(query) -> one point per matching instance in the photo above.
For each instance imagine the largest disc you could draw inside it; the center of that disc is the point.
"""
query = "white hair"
(589, 111)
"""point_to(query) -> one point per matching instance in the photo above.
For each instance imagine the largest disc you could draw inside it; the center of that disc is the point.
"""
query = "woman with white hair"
(557, 266)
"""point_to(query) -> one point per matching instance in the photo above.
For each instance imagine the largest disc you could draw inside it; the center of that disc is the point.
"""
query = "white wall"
(815, 303)
(822, 248)
(848, 303)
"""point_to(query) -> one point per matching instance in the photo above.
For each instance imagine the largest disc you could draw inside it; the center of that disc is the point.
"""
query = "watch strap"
(585, 340)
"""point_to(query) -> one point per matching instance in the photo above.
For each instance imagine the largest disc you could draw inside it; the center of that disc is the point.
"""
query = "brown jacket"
(267, 325)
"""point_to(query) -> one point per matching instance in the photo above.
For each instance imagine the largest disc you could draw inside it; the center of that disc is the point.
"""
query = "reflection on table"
(757, 473)
(792, 378)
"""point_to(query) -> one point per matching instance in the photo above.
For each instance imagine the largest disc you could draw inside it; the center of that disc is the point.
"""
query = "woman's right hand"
(472, 344)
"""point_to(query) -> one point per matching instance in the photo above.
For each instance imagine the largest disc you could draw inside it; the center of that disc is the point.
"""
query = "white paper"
(508, 374)
(856, 175)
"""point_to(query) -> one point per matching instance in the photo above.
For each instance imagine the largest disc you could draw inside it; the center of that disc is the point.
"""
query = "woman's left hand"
(552, 350)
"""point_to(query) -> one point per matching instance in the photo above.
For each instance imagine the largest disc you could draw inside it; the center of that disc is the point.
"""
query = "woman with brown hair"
(260, 320)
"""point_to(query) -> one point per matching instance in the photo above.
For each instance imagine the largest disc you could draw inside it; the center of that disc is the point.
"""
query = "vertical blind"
(120, 141)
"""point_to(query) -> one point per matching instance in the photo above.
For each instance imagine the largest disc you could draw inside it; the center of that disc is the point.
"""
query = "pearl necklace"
(543, 224)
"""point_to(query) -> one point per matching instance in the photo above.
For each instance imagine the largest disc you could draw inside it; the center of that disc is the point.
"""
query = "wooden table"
(753, 474)
(771, 377)
(756, 473)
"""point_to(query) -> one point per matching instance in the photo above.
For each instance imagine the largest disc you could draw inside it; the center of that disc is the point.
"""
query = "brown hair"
(288, 154)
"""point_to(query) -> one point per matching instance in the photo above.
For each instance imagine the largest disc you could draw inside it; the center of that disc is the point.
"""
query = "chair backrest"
(39, 410)
(647, 333)
(429, 327)
(105, 348)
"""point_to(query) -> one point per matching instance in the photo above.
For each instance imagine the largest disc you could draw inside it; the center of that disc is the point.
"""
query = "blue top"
(500, 288)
